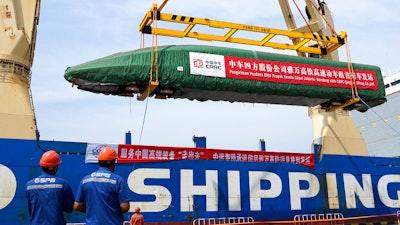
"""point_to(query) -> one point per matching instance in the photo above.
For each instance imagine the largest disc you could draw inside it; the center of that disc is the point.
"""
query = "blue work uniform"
(102, 192)
(48, 198)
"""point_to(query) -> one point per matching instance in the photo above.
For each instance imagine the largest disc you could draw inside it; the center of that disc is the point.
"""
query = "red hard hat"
(50, 159)
(137, 209)
(107, 153)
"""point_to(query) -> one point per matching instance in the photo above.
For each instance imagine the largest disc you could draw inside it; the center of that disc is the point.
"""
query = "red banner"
(145, 153)
(296, 73)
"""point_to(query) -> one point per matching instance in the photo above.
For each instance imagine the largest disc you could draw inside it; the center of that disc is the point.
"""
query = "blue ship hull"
(183, 190)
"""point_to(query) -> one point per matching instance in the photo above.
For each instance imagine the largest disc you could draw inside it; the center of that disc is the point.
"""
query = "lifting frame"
(326, 44)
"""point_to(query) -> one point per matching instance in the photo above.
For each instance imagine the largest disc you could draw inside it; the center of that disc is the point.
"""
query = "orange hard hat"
(137, 209)
(50, 159)
(107, 153)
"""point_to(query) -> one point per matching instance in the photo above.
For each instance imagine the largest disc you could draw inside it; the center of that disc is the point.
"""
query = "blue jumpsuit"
(102, 192)
(48, 198)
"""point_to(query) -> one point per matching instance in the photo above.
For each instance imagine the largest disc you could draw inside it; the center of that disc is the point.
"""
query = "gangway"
(325, 218)
(223, 220)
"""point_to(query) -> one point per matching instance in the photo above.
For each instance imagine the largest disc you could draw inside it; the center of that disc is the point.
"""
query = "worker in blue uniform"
(103, 195)
(49, 196)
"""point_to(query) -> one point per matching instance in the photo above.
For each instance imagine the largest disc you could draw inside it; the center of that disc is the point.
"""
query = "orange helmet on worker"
(107, 154)
(50, 159)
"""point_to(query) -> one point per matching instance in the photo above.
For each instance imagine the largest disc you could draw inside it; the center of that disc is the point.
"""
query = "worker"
(49, 196)
(137, 218)
(103, 195)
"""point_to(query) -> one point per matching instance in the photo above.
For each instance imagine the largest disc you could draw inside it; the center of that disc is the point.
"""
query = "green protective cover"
(133, 67)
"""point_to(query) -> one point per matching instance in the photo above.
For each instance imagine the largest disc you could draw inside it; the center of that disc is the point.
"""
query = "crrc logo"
(198, 63)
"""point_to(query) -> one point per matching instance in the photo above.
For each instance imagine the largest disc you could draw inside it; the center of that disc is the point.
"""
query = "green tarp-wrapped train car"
(228, 74)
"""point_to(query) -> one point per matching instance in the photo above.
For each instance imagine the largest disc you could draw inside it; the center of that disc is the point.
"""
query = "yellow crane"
(327, 44)
(18, 22)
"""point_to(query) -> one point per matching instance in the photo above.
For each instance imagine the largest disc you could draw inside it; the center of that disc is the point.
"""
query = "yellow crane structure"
(18, 22)
(327, 44)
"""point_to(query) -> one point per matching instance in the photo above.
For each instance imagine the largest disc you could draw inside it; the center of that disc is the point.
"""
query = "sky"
(72, 32)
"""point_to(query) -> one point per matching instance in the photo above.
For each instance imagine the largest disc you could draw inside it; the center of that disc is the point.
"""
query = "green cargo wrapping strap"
(241, 76)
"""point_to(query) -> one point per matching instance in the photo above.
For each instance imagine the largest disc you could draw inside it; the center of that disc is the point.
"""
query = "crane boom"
(18, 23)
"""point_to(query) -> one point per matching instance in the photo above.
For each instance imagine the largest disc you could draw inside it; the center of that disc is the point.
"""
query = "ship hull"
(179, 191)
(380, 127)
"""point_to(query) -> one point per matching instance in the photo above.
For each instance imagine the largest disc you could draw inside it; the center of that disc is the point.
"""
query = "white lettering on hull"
(257, 193)
(189, 190)
(333, 195)
(262, 186)
(234, 196)
(383, 184)
(163, 197)
(355, 193)
(296, 193)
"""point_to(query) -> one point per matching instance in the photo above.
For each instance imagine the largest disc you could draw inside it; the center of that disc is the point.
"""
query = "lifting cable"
(352, 77)
(145, 109)
(323, 17)
(144, 119)
(154, 49)
(305, 20)
(153, 62)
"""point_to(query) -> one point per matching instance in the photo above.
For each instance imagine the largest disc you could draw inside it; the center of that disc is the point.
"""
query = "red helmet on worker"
(50, 159)
(107, 154)
(137, 209)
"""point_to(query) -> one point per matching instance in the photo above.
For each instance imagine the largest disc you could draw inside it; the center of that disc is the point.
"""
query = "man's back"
(102, 192)
(48, 196)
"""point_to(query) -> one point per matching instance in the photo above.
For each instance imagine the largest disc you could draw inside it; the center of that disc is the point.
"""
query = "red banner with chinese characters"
(145, 153)
(297, 73)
